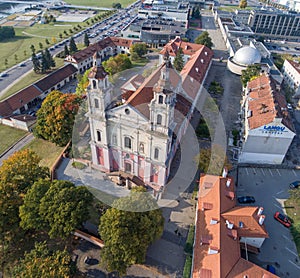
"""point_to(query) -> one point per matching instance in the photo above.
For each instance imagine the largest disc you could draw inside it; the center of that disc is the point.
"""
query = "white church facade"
(140, 137)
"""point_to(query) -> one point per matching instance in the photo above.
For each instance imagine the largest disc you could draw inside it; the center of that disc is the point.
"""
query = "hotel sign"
(274, 129)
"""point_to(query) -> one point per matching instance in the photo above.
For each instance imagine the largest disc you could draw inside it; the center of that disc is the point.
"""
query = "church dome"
(247, 55)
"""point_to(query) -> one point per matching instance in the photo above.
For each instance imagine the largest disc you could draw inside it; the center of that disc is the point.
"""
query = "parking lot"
(270, 189)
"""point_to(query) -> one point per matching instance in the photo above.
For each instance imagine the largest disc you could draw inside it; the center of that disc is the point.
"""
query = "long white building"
(268, 128)
(291, 75)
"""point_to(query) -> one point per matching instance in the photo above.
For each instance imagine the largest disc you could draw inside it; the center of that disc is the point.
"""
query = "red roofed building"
(141, 135)
(220, 228)
(268, 127)
(105, 48)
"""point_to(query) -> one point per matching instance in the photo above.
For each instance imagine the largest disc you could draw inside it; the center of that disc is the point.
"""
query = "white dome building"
(244, 57)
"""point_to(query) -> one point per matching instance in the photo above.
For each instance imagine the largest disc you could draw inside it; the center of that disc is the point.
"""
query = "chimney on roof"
(202, 61)
(228, 182)
(260, 211)
(197, 70)
(261, 219)
(224, 173)
(186, 47)
(229, 225)
(205, 53)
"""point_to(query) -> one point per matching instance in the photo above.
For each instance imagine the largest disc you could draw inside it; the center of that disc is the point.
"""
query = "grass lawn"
(29, 79)
(140, 63)
(18, 49)
(46, 150)
(9, 136)
(293, 211)
(97, 3)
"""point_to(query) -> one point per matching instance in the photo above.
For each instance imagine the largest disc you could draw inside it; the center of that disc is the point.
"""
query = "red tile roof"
(195, 69)
(266, 103)
(187, 47)
(216, 249)
(55, 77)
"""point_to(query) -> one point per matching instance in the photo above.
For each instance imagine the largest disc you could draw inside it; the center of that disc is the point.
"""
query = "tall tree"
(128, 229)
(178, 61)
(43, 263)
(36, 63)
(83, 82)
(44, 63)
(72, 46)
(86, 40)
(116, 5)
(66, 51)
(204, 39)
(32, 48)
(250, 73)
(56, 116)
(49, 58)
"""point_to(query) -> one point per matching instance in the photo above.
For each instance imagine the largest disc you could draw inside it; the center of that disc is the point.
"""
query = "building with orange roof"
(221, 227)
(268, 129)
(141, 136)
(105, 48)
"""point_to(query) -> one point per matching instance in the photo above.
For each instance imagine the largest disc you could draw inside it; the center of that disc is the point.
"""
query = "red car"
(283, 219)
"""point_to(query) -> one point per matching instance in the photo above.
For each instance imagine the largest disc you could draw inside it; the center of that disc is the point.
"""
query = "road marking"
(254, 172)
(279, 192)
(263, 171)
(294, 172)
(292, 252)
(271, 172)
(247, 171)
(294, 264)
(277, 206)
(278, 172)
(286, 237)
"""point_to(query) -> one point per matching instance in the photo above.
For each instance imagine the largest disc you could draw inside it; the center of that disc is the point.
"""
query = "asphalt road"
(270, 189)
(16, 72)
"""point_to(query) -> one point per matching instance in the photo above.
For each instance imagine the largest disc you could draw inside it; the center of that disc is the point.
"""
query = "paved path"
(21, 144)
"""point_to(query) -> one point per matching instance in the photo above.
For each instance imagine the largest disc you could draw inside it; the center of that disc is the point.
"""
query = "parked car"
(283, 219)
(294, 184)
(246, 199)
(271, 269)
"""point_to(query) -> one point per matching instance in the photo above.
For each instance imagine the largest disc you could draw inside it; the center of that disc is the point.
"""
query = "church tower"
(99, 97)
(164, 98)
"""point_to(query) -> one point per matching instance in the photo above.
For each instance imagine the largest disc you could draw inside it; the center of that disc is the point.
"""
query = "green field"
(48, 151)
(99, 3)
(9, 136)
(232, 8)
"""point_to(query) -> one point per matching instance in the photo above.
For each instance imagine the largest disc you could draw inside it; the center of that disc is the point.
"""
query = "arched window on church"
(159, 119)
(127, 142)
(156, 153)
(96, 103)
(160, 99)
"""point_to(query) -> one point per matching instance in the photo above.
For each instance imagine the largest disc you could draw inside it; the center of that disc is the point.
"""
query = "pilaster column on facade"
(94, 153)
(161, 176)
(106, 156)
(147, 171)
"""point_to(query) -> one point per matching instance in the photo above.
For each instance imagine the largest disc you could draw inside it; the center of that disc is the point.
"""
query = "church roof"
(97, 73)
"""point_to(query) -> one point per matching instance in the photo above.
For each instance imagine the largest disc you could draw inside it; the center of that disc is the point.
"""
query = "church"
(140, 136)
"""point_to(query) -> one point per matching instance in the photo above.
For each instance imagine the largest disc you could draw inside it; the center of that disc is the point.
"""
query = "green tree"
(128, 229)
(16, 57)
(55, 118)
(243, 4)
(66, 51)
(41, 45)
(60, 35)
(44, 63)
(36, 63)
(44, 263)
(65, 207)
(65, 32)
(86, 40)
(47, 41)
(117, 5)
(213, 162)
(49, 58)
(72, 46)
(83, 82)
(117, 64)
(32, 48)
(178, 61)
(204, 39)
(25, 53)
(250, 73)
(138, 50)
(21, 170)
(6, 63)
(29, 211)
(196, 12)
